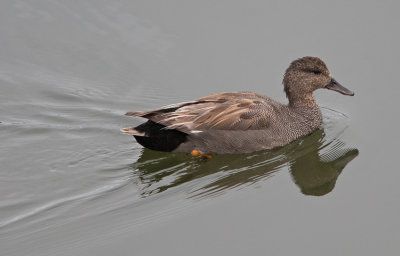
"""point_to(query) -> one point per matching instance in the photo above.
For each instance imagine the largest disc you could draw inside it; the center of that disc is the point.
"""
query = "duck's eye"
(317, 72)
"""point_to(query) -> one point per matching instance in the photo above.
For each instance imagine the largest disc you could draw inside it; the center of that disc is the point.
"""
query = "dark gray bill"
(335, 86)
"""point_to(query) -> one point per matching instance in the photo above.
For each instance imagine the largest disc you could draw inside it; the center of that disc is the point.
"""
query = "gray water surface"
(71, 184)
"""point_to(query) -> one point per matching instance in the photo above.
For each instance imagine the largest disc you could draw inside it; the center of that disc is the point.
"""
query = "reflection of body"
(240, 122)
(314, 176)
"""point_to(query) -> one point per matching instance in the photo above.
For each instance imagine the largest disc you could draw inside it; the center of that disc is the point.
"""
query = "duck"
(239, 122)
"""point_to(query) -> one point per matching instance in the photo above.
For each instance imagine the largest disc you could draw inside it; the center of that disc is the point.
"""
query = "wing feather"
(226, 111)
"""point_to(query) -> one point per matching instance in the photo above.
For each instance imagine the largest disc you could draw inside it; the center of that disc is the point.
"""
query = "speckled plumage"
(240, 122)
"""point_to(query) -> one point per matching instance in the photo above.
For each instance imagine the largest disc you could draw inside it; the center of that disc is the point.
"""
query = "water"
(71, 184)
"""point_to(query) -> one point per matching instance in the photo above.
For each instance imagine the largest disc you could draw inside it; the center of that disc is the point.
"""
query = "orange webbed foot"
(199, 154)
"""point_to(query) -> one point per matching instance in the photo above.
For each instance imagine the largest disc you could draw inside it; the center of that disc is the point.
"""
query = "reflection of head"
(316, 177)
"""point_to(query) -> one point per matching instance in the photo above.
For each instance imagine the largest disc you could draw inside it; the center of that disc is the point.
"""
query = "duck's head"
(308, 74)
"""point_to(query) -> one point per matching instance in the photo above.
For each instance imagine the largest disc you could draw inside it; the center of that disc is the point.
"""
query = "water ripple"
(95, 193)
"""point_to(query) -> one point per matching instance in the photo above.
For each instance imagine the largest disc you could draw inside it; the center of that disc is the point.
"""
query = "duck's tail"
(154, 136)
(132, 131)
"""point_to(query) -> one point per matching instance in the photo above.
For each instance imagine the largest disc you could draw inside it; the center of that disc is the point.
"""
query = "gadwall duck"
(239, 122)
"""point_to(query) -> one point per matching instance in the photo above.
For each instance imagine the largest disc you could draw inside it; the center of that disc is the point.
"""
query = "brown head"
(306, 75)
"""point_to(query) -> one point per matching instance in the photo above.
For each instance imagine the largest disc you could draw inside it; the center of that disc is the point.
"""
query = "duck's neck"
(307, 109)
(303, 100)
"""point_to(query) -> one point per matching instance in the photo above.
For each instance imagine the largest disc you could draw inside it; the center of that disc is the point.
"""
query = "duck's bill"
(335, 86)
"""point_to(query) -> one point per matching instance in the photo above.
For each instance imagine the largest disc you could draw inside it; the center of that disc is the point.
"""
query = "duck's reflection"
(314, 163)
